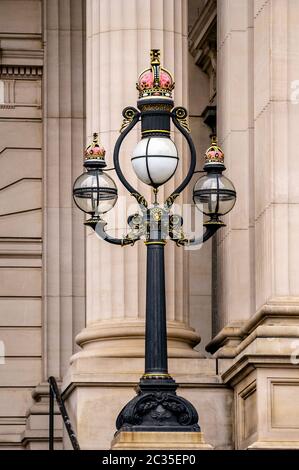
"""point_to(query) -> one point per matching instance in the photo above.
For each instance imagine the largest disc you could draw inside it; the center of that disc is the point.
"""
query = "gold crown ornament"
(214, 154)
(155, 81)
(95, 151)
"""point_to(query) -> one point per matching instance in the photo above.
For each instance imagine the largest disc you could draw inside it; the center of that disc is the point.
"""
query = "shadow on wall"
(2, 353)
(1, 92)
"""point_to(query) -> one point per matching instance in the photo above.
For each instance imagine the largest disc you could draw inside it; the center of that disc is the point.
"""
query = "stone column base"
(125, 440)
(264, 375)
(97, 388)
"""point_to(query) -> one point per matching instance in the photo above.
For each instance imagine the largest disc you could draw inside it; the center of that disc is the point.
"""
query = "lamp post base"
(157, 408)
(125, 440)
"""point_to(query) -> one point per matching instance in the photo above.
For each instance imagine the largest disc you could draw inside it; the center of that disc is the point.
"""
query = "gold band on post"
(155, 130)
(156, 375)
(156, 243)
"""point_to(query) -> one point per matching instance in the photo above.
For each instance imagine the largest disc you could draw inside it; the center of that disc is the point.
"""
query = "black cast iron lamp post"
(156, 407)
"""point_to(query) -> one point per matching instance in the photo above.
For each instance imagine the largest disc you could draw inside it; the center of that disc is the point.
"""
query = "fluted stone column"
(258, 259)
(258, 271)
(235, 132)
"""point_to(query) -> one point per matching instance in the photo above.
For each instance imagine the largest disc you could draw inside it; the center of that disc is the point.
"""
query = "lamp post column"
(115, 322)
(155, 332)
(156, 408)
(119, 35)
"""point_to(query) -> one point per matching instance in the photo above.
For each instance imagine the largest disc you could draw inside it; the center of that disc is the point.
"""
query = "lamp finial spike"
(95, 138)
(155, 56)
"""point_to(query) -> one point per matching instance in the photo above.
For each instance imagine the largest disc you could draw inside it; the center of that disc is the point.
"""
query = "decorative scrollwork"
(181, 115)
(140, 199)
(156, 214)
(175, 220)
(135, 220)
(152, 409)
(128, 113)
(129, 239)
(176, 232)
(138, 228)
(182, 241)
(170, 200)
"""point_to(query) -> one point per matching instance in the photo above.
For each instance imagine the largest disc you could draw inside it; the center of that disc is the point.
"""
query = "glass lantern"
(214, 194)
(95, 192)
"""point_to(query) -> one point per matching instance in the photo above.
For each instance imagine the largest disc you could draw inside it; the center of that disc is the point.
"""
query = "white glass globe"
(155, 160)
(95, 192)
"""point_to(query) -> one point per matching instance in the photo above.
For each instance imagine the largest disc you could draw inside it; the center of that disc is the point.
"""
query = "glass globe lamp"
(95, 192)
(214, 194)
(155, 160)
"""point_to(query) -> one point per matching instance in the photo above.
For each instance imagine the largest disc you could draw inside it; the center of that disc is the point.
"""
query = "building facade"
(71, 306)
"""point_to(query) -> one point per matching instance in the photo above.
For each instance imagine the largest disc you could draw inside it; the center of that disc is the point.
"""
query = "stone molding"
(21, 57)
(107, 338)
(20, 71)
(234, 337)
(159, 440)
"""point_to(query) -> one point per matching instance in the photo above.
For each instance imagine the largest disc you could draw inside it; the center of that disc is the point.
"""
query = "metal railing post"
(54, 392)
(51, 419)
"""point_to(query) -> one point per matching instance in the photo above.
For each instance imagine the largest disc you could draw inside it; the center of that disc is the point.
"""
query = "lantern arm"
(131, 117)
(129, 239)
(210, 230)
(179, 117)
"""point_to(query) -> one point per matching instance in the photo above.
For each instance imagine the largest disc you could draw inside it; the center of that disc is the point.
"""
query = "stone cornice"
(269, 339)
(229, 337)
(21, 71)
(228, 341)
(247, 363)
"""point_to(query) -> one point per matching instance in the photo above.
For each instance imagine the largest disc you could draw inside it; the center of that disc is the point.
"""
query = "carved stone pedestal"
(125, 440)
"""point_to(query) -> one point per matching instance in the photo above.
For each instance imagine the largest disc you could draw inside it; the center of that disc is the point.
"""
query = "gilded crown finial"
(214, 153)
(155, 81)
(95, 150)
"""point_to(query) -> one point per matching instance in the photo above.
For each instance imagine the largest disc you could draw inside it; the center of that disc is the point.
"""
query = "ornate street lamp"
(156, 407)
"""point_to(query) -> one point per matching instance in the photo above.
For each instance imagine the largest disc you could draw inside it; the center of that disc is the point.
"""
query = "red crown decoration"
(214, 153)
(95, 151)
(155, 81)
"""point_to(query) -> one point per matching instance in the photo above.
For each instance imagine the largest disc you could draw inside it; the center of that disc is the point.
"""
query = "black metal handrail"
(55, 393)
